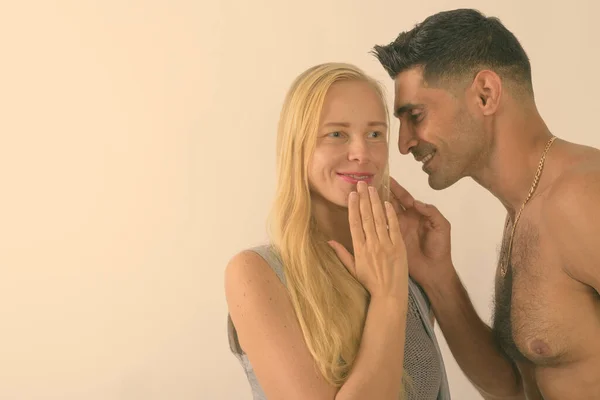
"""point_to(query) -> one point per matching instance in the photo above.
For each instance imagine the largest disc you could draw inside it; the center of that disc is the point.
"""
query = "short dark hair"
(456, 42)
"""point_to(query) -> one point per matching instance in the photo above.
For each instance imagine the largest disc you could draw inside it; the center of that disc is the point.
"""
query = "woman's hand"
(379, 260)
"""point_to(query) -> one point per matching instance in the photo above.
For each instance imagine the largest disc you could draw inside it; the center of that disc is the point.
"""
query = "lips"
(355, 177)
(426, 159)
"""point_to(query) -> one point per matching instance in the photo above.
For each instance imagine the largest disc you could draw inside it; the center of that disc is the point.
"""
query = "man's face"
(437, 128)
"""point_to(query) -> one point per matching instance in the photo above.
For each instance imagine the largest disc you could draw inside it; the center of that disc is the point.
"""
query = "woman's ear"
(487, 86)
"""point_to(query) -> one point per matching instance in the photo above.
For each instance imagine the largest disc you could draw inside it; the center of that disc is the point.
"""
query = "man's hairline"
(438, 81)
(441, 84)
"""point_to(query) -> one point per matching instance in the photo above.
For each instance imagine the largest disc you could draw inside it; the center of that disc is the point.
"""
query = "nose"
(358, 151)
(406, 139)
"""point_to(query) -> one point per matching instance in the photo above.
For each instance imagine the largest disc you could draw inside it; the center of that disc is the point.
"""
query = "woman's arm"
(271, 337)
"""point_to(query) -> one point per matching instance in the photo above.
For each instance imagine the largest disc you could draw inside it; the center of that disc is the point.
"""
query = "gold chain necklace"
(536, 179)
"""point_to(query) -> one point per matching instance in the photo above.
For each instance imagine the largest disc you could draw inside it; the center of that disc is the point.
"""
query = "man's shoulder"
(571, 208)
(577, 185)
(570, 216)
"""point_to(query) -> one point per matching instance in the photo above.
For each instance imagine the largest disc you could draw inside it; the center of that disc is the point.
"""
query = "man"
(464, 98)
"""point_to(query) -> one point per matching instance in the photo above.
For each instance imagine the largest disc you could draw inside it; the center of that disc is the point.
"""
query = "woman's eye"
(335, 134)
(374, 134)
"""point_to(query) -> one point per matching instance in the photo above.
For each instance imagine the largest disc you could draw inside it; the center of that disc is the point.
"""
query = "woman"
(327, 309)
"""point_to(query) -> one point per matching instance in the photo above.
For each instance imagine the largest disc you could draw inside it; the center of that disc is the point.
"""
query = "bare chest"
(538, 310)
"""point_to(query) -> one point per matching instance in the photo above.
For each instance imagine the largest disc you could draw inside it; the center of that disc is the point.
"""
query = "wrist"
(389, 303)
(445, 286)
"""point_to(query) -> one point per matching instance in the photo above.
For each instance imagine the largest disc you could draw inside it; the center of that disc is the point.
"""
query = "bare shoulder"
(251, 289)
(570, 215)
(246, 263)
(577, 186)
(248, 278)
(269, 332)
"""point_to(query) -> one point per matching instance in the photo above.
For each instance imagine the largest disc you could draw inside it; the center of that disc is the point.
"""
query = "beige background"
(136, 157)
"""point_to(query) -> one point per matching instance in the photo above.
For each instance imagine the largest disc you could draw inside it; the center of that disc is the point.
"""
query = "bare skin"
(544, 340)
(554, 272)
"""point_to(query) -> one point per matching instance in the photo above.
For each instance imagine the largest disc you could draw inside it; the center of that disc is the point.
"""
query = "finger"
(401, 212)
(379, 215)
(401, 194)
(396, 203)
(356, 228)
(366, 212)
(394, 226)
(344, 256)
(433, 215)
(404, 218)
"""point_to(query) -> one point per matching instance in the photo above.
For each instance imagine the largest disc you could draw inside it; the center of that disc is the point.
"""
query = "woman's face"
(351, 143)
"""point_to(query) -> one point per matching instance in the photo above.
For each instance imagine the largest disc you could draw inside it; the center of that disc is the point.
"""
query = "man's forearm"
(472, 343)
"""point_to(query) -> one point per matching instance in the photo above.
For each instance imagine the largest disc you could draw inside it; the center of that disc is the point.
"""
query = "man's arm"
(426, 233)
(473, 345)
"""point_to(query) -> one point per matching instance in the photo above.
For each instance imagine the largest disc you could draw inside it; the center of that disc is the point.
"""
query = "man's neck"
(518, 145)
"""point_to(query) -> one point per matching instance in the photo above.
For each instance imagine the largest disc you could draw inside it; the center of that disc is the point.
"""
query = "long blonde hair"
(329, 302)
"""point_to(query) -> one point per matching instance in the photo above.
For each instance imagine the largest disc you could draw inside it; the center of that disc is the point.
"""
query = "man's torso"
(544, 319)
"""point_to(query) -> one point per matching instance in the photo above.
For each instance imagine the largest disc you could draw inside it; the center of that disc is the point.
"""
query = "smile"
(428, 157)
(425, 160)
(354, 178)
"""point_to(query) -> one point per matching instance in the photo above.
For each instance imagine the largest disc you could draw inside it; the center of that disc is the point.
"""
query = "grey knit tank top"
(422, 357)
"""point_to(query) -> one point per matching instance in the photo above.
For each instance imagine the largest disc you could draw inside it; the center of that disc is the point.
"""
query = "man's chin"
(437, 182)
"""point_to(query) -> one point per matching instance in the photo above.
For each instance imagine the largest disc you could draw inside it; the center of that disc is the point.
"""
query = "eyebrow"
(347, 125)
(404, 108)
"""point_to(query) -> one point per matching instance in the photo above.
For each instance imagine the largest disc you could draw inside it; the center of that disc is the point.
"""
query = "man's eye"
(374, 134)
(415, 117)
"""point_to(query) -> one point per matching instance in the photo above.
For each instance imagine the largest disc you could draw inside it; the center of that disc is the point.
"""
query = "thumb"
(433, 215)
(400, 194)
(344, 255)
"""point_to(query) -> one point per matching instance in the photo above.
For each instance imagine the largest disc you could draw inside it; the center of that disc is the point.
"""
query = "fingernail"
(420, 203)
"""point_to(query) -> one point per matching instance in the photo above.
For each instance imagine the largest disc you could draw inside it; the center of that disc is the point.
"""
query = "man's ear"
(487, 87)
